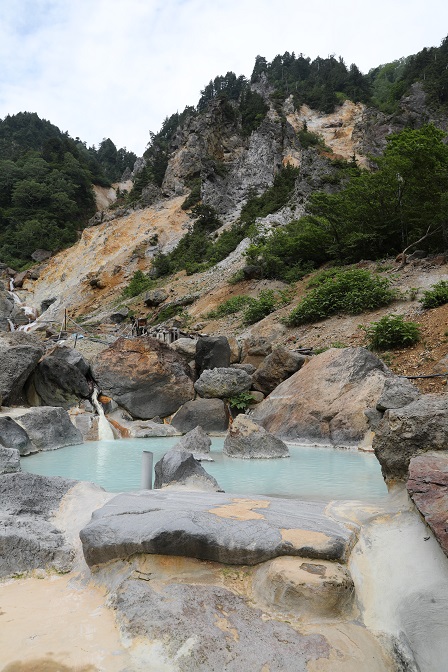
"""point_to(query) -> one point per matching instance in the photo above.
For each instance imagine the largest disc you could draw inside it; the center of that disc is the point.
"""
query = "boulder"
(41, 255)
(19, 355)
(214, 526)
(9, 460)
(397, 392)
(250, 441)
(248, 368)
(144, 376)
(254, 350)
(428, 487)
(46, 303)
(48, 428)
(59, 379)
(210, 414)
(119, 315)
(6, 308)
(179, 469)
(139, 429)
(155, 297)
(14, 436)
(212, 352)
(406, 432)
(442, 365)
(222, 383)
(324, 401)
(277, 367)
(28, 538)
(185, 346)
(196, 441)
(305, 588)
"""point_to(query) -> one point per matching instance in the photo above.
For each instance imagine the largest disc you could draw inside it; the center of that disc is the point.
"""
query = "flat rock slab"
(225, 528)
(428, 488)
(205, 628)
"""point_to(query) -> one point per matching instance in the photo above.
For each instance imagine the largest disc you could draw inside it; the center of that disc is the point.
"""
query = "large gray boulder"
(9, 460)
(144, 376)
(213, 526)
(196, 441)
(179, 469)
(19, 355)
(407, 432)
(14, 436)
(397, 392)
(222, 383)
(248, 440)
(210, 414)
(325, 401)
(59, 379)
(48, 428)
(28, 538)
(276, 368)
(212, 352)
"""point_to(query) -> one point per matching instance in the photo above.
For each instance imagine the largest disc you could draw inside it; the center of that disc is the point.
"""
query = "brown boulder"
(277, 367)
(144, 376)
(428, 488)
(325, 400)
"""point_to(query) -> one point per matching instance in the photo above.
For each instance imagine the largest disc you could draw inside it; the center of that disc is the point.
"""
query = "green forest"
(46, 180)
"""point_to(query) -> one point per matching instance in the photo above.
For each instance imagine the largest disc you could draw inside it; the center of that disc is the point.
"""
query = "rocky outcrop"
(196, 441)
(28, 538)
(212, 352)
(180, 470)
(248, 440)
(155, 297)
(210, 414)
(223, 632)
(406, 432)
(59, 379)
(185, 346)
(325, 401)
(397, 392)
(213, 526)
(306, 589)
(19, 355)
(428, 487)
(9, 460)
(6, 308)
(14, 436)
(144, 376)
(222, 383)
(277, 367)
(48, 429)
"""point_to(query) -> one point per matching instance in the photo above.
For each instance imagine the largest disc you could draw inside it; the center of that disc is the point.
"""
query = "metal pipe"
(147, 462)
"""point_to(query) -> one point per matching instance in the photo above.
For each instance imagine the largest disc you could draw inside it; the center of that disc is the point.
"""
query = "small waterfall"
(105, 432)
(12, 326)
(28, 311)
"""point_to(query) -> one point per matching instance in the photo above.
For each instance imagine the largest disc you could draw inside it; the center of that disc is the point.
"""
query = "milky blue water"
(317, 473)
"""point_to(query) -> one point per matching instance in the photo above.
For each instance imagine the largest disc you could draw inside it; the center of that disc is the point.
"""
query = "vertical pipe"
(147, 460)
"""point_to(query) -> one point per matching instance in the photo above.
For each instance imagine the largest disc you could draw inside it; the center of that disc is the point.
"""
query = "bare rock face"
(13, 436)
(406, 432)
(28, 538)
(325, 400)
(144, 376)
(307, 589)
(250, 441)
(19, 355)
(428, 487)
(210, 414)
(179, 469)
(6, 308)
(9, 460)
(222, 383)
(277, 367)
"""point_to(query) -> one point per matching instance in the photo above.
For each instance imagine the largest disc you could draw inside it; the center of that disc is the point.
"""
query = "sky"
(117, 68)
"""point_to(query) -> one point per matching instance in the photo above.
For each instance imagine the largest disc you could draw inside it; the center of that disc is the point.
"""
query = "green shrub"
(194, 196)
(241, 401)
(166, 313)
(436, 296)
(392, 331)
(261, 307)
(231, 306)
(139, 283)
(341, 291)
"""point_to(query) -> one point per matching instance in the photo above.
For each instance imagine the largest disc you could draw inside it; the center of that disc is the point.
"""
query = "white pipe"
(147, 461)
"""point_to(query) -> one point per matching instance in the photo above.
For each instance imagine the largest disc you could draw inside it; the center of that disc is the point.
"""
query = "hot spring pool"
(310, 472)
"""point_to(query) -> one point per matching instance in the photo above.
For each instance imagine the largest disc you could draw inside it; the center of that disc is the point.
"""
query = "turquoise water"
(317, 473)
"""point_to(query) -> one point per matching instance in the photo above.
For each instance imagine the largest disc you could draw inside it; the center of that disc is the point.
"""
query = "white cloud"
(110, 68)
